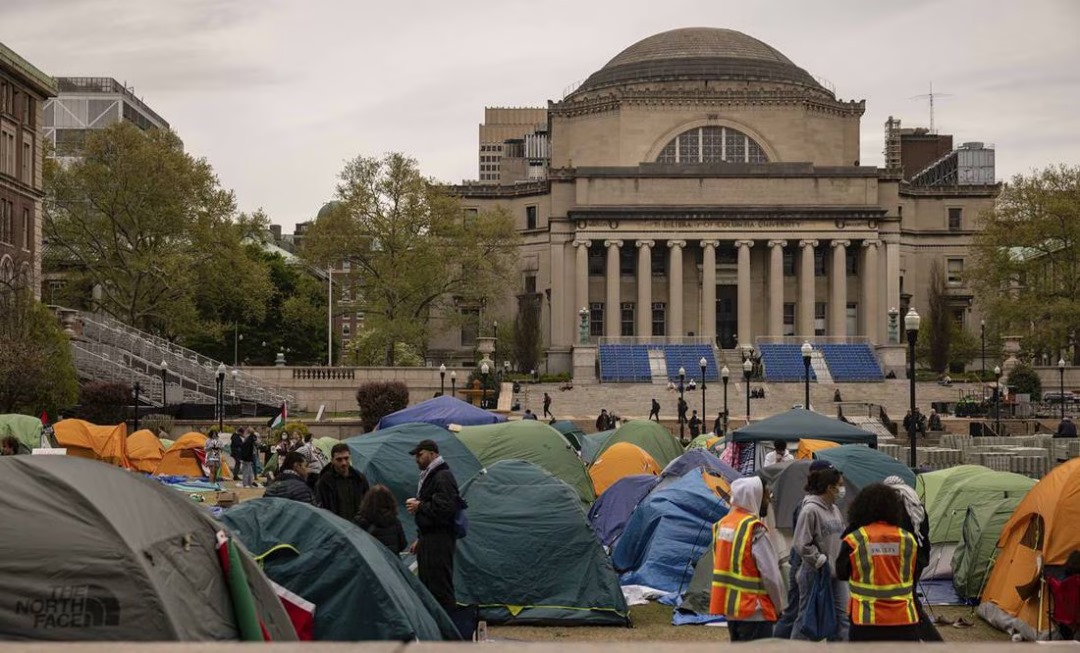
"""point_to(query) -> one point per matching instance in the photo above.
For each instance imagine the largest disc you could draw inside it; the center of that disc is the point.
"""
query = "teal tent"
(530, 556)
(570, 431)
(360, 589)
(800, 423)
(383, 457)
(592, 444)
(863, 466)
(655, 439)
(534, 441)
(26, 429)
(974, 554)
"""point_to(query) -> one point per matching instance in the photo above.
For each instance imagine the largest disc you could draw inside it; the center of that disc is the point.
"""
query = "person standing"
(235, 443)
(603, 421)
(695, 425)
(746, 588)
(212, 451)
(316, 461)
(914, 520)
(1066, 428)
(681, 409)
(547, 406)
(779, 454)
(340, 488)
(654, 411)
(718, 424)
(246, 454)
(378, 516)
(877, 558)
(435, 507)
(817, 541)
(291, 482)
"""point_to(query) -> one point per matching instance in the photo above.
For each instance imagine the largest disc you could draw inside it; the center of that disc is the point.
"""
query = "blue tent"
(699, 458)
(667, 534)
(441, 411)
(613, 508)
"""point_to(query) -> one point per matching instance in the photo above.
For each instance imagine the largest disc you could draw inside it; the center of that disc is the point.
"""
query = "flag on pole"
(279, 420)
(248, 623)
(44, 418)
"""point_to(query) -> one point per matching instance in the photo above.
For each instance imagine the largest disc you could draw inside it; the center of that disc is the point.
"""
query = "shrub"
(377, 399)
(156, 423)
(102, 402)
(1024, 380)
(295, 429)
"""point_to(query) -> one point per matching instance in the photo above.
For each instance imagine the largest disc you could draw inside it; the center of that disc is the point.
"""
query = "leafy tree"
(368, 348)
(413, 252)
(105, 402)
(36, 369)
(527, 338)
(377, 399)
(1024, 380)
(1026, 272)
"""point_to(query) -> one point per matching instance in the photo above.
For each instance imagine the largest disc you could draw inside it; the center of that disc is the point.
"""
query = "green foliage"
(368, 349)
(479, 381)
(36, 369)
(295, 428)
(156, 423)
(940, 322)
(1024, 380)
(527, 341)
(413, 252)
(103, 402)
(377, 399)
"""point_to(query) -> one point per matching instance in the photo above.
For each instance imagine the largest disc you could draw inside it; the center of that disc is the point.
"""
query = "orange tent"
(86, 440)
(808, 447)
(144, 450)
(1042, 526)
(180, 458)
(619, 460)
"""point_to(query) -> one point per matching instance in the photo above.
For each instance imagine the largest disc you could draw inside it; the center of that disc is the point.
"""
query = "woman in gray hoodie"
(817, 536)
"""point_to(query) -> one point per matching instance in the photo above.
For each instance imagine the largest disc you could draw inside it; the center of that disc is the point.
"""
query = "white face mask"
(841, 493)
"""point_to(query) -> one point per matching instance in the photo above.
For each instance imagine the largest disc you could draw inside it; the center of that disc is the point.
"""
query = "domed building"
(703, 188)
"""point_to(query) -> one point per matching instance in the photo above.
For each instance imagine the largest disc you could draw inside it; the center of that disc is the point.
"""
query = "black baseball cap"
(819, 465)
(425, 445)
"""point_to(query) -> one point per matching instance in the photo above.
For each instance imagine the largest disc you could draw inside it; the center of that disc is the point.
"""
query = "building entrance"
(727, 317)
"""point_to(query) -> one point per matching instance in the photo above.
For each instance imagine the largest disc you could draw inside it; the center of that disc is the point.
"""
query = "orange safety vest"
(737, 588)
(882, 576)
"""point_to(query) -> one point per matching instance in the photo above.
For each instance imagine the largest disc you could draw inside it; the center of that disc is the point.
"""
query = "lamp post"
(982, 338)
(807, 349)
(136, 388)
(235, 376)
(164, 395)
(442, 380)
(997, 400)
(495, 352)
(237, 337)
(681, 413)
(724, 374)
(911, 324)
(484, 369)
(453, 383)
(221, 396)
(703, 364)
(1061, 377)
(747, 370)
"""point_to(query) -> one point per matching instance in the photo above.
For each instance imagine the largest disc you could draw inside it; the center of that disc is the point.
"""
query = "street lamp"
(997, 400)
(724, 374)
(495, 352)
(911, 324)
(747, 370)
(807, 349)
(235, 376)
(453, 383)
(136, 388)
(681, 412)
(164, 367)
(221, 396)
(484, 369)
(442, 380)
(1061, 376)
(703, 364)
(982, 377)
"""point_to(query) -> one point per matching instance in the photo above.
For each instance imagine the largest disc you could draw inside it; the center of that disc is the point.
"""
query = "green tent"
(974, 554)
(570, 431)
(535, 442)
(948, 508)
(383, 457)
(26, 429)
(592, 444)
(361, 590)
(325, 444)
(656, 440)
(531, 556)
(928, 485)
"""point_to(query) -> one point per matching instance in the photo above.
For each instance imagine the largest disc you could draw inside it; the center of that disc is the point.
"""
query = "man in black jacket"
(435, 507)
(290, 483)
(340, 488)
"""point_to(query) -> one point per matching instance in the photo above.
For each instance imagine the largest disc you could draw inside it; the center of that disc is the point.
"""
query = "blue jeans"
(840, 597)
(783, 627)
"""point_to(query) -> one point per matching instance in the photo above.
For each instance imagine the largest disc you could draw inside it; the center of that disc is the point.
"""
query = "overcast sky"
(277, 94)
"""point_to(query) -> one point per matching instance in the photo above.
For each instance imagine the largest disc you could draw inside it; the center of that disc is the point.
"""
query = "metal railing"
(655, 340)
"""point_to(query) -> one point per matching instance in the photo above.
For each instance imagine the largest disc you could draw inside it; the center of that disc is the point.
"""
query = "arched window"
(712, 145)
(7, 270)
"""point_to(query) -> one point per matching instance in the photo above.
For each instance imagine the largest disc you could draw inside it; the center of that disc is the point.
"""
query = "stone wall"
(335, 387)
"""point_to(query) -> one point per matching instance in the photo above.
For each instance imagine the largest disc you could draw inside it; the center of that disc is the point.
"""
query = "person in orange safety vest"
(877, 558)
(746, 587)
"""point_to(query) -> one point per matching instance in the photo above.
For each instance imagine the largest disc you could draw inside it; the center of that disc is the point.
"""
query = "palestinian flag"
(301, 612)
(279, 419)
(248, 624)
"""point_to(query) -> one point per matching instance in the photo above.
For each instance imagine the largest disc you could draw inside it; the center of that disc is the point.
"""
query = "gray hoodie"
(818, 532)
(747, 493)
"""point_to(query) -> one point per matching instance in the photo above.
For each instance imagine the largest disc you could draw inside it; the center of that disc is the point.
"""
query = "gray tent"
(94, 552)
(800, 423)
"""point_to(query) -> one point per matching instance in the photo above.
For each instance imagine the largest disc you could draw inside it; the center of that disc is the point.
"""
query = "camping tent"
(800, 423)
(360, 589)
(808, 447)
(978, 538)
(530, 556)
(181, 458)
(621, 460)
(441, 411)
(709, 441)
(668, 531)
(24, 428)
(650, 436)
(383, 457)
(144, 451)
(591, 445)
(325, 444)
(534, 441)
(697, 458)
(613, 508)
(862, 466)
(570, 431)
(1035, 541)
(86, 440)
(103, 554)
(929, 484)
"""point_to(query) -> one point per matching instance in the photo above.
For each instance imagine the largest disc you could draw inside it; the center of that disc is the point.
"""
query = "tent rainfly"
(799, 423)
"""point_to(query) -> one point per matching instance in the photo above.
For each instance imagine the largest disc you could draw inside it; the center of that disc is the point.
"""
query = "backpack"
(461, 519)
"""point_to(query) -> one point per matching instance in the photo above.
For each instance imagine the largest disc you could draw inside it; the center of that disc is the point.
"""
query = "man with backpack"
(435, 508)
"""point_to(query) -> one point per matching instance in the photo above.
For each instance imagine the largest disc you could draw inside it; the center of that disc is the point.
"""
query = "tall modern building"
(703, 186)
(86, 103)
(23, 91)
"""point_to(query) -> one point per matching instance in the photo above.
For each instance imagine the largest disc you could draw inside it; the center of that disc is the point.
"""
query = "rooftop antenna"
(930, 96)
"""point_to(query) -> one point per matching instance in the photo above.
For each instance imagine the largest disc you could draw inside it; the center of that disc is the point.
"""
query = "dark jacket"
(1066, 430)
(326, 493)
(438, 502)
(246, 452)
(387, 530)
(234, 445)
(289, 485)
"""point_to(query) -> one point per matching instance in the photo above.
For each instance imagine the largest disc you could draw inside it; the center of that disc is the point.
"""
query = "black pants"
(656, 414)
(547, 411)
(435, 565)
(883, 633)
(746, 631)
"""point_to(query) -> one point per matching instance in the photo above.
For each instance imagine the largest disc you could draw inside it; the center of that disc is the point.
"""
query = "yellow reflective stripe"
(752, 585)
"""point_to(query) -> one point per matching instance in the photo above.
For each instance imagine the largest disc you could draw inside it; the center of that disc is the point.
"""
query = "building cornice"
(700, 170)
(705, 98)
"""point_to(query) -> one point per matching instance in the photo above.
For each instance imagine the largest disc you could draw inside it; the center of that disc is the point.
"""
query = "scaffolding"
(893, 160)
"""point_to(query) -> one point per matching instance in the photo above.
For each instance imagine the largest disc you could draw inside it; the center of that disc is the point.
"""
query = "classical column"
(776, 287)
(838, 288)
(806, 289)
(557, 297)
(892, 278)
(675, 288)
(745, 335)
(644, 287)
(612, 305)
(708, 288)
(581, 283)
(870, 308)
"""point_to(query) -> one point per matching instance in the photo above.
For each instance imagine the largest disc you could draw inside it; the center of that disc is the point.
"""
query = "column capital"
(613, 243)
(583, 243)
(871, 243)
(840, 243)
(676, 243)
(808, 243)
(777, 243)
(645, 243)
(710, 243)
(744, 243)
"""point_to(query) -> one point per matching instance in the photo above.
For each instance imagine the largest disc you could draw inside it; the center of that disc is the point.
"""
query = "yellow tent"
(86, 440)
(808, 447)
(181, 460)
(619, 460)
(144, 451)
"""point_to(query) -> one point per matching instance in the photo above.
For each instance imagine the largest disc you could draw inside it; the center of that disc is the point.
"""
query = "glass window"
(627, 261)
(596, 319)
(819, 318)
(27, 236)
(659, 322)
(346, 329)
(955, 219)
(667, 155)
(734, 146)
(627, 319)
(530, 217)
(596, 260)
(955, 271)
(530, 284)
(689, 152)
(789, 318)
(659, 260)
(712, 145)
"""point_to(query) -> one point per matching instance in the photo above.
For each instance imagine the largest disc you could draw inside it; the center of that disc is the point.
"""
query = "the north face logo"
(72, 606)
